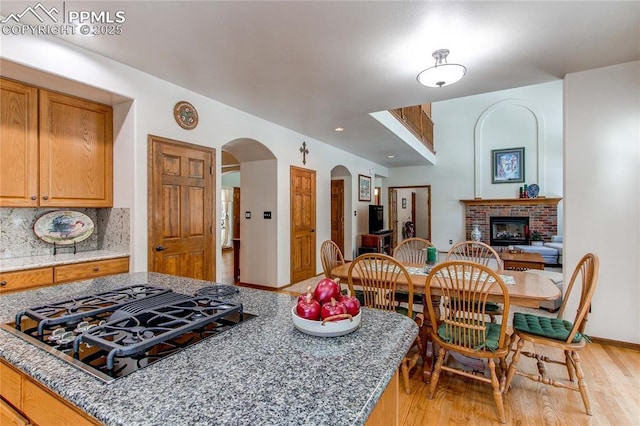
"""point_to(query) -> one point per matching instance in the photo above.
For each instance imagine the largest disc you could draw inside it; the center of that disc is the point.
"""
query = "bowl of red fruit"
(326, 312)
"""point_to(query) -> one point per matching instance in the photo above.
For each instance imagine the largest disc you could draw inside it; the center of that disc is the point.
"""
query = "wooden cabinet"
(18, 144)
(22, 280)
(33, 403)
(387, 409)
(88, 270)
(57, 150)
(382, 243)
(11, 385)
(39, 277)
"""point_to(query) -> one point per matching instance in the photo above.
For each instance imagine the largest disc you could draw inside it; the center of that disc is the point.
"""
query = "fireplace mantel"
(522, 201)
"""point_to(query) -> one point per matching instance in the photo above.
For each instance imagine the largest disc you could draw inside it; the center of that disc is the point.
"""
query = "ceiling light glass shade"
(442, 74)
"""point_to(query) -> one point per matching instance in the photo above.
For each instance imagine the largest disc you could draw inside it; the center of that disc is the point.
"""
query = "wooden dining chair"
(377, 275)
(463, 328)
(484, 254)
(545, 333)
(411, 250)
(331, 256)
(476, 251)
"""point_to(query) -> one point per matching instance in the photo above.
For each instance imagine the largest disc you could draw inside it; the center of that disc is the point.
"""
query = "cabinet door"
(18, 145)
(10, 417)
(22, 280)
(10, 385)
(89, 270)
(76, 152)
(44, 407)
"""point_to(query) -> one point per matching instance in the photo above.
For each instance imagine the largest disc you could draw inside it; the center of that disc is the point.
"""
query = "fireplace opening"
(509, 230)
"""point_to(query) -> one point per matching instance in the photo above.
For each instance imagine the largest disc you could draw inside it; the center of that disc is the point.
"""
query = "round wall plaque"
(186, 115)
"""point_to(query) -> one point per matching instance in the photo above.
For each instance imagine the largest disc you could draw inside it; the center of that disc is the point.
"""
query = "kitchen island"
(261, 372)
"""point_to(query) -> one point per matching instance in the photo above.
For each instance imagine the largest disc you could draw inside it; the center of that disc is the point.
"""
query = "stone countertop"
(260, 372)
(31, 262)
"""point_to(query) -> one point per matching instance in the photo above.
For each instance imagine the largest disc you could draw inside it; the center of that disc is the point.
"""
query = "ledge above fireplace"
(525, 201)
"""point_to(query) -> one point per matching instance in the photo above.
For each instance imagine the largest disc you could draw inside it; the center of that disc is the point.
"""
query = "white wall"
(258, 236)
(602, 191)
(465, 132)
(150, 111)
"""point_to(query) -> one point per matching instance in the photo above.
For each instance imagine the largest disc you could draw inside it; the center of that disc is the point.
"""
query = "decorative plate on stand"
(186, 115)
(533, 190)
(63, 227)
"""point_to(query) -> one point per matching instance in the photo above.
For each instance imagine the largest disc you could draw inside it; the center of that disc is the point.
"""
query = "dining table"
(525, 289)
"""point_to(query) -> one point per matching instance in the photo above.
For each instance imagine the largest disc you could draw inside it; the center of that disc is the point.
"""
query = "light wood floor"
(612, 374)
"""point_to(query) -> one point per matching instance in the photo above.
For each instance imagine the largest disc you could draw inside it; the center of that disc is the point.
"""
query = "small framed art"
(507, 165)
(364, 188)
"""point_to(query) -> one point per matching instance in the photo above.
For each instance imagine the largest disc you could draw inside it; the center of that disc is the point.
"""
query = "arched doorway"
(257, 183)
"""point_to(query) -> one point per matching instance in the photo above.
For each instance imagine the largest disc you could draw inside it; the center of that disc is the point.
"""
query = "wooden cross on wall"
(304, 151)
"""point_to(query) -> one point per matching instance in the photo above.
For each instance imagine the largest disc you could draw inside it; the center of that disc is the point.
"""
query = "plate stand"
(57, 247)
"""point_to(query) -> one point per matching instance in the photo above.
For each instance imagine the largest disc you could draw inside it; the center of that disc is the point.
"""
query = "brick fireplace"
(542, 214)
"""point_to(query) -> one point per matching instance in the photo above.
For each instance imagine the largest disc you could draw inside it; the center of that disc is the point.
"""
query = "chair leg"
(436, 373)
(512, 340)
(513, 365)
(405, 368)
(497, 394)
(503, 373)
(582, 385)
(570, 367)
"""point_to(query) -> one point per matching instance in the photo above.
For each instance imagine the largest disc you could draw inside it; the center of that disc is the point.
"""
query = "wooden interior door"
(181, 209)
(236, 212)
(337, 213)
(413, 213)
(393, 213)
(303, 224)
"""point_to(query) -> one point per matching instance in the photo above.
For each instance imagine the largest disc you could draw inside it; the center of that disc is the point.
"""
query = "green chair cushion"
(553, 328)
(404, 311)
(403, 297)
(491, 342)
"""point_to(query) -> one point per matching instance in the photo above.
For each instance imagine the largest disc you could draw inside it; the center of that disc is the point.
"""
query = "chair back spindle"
(475, 251)
(412, 250)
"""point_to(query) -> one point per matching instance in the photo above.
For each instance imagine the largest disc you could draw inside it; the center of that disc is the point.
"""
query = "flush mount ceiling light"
(442, 74)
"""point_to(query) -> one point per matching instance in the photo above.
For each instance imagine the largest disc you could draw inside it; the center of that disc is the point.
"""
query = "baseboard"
(618, 343)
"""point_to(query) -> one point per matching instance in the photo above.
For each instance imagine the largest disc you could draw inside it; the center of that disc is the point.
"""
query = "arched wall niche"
(510, 123)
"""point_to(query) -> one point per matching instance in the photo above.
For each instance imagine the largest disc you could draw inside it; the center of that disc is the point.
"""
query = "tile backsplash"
(17, 238)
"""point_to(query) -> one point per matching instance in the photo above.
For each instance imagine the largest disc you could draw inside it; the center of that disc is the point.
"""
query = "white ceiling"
(313, 66)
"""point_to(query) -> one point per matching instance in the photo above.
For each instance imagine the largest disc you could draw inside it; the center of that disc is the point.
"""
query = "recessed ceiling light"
(338, 129)
(391, 156)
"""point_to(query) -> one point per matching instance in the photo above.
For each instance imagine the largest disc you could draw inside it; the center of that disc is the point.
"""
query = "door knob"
(160, 248)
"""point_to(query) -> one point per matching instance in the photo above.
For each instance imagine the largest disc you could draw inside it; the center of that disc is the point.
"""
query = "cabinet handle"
(96, 269)
(33, 197)
(46, 197)
(3, 283)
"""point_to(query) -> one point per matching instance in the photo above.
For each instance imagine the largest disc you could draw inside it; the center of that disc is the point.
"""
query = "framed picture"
(364, 185)
(507, 165)
(404, 203)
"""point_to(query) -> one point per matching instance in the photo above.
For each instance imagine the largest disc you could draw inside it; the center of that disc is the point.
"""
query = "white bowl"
(327, 329)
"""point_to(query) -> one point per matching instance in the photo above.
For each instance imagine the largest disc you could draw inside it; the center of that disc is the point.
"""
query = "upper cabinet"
(55, 150)
(18, 144)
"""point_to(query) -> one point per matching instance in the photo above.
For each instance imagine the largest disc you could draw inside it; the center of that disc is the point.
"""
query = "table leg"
(430, 353)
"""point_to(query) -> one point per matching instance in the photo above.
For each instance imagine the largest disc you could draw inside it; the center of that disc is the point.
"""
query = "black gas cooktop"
(114, 333)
